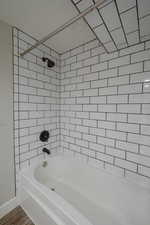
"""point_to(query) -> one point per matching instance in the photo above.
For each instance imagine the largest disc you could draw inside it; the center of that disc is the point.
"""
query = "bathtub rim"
(29, 175)
(30, 171)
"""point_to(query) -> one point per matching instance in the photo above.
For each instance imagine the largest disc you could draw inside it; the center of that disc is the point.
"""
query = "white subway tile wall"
(95, 105)
(36, 100)
(105, 108)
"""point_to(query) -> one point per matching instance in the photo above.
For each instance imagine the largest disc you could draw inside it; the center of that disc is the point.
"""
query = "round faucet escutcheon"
(44, 136)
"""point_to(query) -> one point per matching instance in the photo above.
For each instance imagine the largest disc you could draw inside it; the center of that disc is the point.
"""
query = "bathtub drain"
(52, 189)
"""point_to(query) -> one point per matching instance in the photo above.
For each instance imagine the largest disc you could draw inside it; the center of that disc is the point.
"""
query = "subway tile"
(144, 171)
(84, 115)
(140, 77)
(23, 80)
(145, 129)
(35, 83)
(82, 143)
(132, 49)
(115, 152)
(106, 57)
(70, 74)
(97, 51)
(108, 91)
(83, 100)
(146, 108)
(120, 117)
(91, 76)
(140, 139)
(139, 98)
(128, 108)
(70, 60)
(75, 93)
(27, 106)
(91, 92)
(89, 137)
(96, 147)
(75, 66)
(43, 92)
(147, 44)
(108, 73)
(116, 134)
(106, 125)
(97, 131)
(99, 83)
(76, 108)
(145, 150)
(70, 87)
(127, 89)
(126, 164)
(147, 65)
(74, 147)
(27, 123)
(91, 61)
(27, 90)
(23, 98)
(99, 67)
(83, 85)
(140, 56)
(106, 141)
(132, 68)
(91, 45)
(27, 73)
(82, 71)
(90, 108)
(36, 99)
(69, 101)
(104, 157)
(82, 129)
(75, 134)
(76, 51)
(141, 119)
(127, 146)
(23, 115)
(128, 127)
(118, 80)
(98, 100)
(107, 108)
(117, 99)
(75, 121)
(83, 55)
(35, 114)
(90, 123)
(97, 116)
(124, 60)
(137, 158)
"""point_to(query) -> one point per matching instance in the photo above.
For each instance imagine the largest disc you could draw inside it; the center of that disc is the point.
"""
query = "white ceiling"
(40, 17)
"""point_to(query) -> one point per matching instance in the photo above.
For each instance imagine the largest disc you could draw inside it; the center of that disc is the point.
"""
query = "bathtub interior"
(95, 193)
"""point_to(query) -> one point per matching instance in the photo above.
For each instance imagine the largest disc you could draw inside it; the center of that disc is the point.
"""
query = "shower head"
(50, 63)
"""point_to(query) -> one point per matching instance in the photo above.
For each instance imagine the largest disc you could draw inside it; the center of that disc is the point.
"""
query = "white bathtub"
(70, 192)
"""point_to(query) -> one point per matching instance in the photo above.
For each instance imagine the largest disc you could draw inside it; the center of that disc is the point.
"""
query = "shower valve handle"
(45, 150)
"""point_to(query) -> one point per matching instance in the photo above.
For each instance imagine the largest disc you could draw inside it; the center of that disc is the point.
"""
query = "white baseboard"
(8, 206)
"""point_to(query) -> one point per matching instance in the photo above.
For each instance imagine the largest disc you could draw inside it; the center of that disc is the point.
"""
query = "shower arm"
(61, 28)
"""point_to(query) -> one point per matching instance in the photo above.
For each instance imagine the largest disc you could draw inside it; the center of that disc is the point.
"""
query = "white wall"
(7, 179)
(36, 101)
(105, 107)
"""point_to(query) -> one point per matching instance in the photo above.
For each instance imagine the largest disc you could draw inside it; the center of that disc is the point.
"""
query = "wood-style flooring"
(16, 217)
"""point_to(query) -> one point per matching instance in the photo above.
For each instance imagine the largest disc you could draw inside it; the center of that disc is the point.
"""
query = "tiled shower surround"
(96, 106)
(36, 100)
(105, 107)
